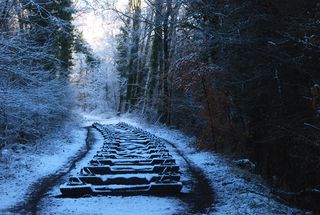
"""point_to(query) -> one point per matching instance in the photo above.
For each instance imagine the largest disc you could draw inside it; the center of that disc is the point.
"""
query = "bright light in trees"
(100, 24)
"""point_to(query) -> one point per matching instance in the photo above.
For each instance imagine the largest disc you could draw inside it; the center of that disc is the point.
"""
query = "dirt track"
(198, 200)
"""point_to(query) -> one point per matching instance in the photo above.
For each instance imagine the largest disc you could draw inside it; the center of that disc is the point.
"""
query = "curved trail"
(39, 189)
(201, 198)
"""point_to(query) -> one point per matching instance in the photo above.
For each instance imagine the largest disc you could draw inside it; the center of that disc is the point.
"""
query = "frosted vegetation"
(34, 90)
(48, 69)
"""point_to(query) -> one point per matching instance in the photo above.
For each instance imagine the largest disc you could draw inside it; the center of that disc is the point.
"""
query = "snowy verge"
(236, 191)
(24, 165)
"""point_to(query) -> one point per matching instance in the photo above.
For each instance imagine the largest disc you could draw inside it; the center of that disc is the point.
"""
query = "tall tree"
(132, 83)
(122, 65)
(156, 52)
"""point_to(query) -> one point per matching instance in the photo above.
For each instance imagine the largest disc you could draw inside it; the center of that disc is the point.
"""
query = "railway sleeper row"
(130, 161)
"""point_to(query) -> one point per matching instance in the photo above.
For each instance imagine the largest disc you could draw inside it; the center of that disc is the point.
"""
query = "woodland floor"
(31, 175)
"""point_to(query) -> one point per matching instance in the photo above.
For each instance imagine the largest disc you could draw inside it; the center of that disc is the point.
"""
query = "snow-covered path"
(53, 204)
(42, 195)
(234, 191)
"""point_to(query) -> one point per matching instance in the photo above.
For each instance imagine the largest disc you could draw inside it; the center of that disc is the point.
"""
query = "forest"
(242, 76)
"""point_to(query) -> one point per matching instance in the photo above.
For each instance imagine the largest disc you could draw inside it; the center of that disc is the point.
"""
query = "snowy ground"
(23, 166)
(115, 205)
(236, 191)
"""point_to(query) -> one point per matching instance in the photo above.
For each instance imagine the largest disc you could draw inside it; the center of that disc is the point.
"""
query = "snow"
(115, 205)
(29, 163)
(236, 191)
